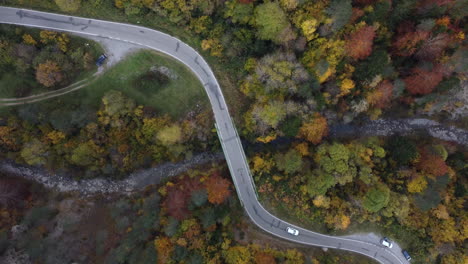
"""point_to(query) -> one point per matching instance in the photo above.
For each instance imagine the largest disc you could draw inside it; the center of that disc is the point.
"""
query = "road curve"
(232, 147)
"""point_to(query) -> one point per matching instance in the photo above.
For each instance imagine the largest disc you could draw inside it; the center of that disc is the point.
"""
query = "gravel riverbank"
(135, 181)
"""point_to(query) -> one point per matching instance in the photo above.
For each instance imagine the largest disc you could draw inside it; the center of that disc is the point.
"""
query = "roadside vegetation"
(34, 61)
(412, 190)
(192, 218)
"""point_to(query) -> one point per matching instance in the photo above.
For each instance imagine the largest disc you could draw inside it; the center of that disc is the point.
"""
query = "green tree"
(238, 255)
(115, 103)
(376, 198)
(170, 135)
(290, 162)
(398, 206)
(34, 152)
(269, 115)
(402, 150)
(340, 12)
(270, 21)
(319, 182)
(280, 74)
(241, 13)
(86, 154)
(336, 160)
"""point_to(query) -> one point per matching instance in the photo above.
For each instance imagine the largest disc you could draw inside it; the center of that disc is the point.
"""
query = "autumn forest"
(296, 74)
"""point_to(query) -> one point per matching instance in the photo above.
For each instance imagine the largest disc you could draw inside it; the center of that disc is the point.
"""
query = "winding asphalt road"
(233, 150)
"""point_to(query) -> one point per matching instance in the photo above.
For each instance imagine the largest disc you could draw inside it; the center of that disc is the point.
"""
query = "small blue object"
(101, 60)
(406, 254)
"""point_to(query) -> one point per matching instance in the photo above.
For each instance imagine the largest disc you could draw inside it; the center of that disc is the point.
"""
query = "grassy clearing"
(175, 98)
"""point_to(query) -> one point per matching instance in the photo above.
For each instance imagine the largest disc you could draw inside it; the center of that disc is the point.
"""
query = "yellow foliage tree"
(443, 231)
(346, 86)
(268, 138)
(261, 165)
(215, 47)
(29, 40)
(417, 184)
(62, 41)
(308, 28)
(55, 136)
(303, 148)
(321, 201)
(289, 4)
(47, 36)
(323, 53)
(339, 221)
(441, 212)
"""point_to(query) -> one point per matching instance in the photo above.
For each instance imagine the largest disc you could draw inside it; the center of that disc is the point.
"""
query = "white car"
(386, 242)
(292, 231)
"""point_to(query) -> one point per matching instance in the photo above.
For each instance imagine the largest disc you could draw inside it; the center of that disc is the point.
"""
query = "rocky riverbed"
(389, 127)
(135, 181)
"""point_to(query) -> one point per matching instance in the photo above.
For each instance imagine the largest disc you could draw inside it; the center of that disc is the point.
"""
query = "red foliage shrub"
(178, 196)
(405, 44)
(422, 81)
(364, 2)
(426, 5)
(359, 44)
(433, 47)
(12, 192)
(432, 164)
(176, 203)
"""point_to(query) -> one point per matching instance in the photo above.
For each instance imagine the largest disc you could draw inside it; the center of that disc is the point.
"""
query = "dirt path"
(115, 51)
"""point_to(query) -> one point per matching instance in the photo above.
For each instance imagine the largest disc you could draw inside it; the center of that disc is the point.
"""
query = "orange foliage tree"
(423, 81)
(7, 140)
(359, 44)
(164, 247)
(48, 73)
(217, 188)
(315, 130)
(264, 258)
(381, 96)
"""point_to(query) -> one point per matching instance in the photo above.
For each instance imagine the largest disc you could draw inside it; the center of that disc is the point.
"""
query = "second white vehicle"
(386, 242)
(292, 231)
